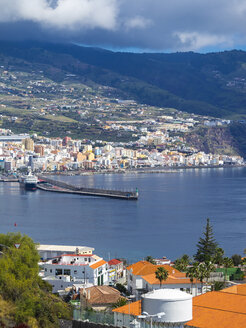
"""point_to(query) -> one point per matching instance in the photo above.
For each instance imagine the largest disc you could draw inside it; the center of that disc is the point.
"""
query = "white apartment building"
(75, 268)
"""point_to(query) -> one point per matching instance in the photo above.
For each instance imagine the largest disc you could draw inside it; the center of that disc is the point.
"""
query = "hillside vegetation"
(24, 297)
(208, 84)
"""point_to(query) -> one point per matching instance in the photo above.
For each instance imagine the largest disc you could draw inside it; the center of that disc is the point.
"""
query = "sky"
(138, 25)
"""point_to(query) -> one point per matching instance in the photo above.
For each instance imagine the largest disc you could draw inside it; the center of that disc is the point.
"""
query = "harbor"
(47, 184)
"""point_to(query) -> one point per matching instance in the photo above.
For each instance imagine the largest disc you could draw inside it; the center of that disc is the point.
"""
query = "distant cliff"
(228, 140)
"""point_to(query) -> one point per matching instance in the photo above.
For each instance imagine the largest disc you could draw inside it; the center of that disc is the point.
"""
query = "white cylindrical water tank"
(176, 305)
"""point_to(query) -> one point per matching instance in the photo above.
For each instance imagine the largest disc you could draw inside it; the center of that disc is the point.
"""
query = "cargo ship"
(29, 182)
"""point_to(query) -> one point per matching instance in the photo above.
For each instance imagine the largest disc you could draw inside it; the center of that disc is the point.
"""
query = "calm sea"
(167, 220)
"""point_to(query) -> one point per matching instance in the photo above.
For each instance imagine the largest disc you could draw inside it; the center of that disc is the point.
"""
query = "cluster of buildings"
(67, 266)
(42, 154)
(177, 302)
(171, 308)
(156, 136)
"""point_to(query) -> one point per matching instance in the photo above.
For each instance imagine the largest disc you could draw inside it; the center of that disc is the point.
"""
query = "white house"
(141, 279)
(67, 269)
(50, 251)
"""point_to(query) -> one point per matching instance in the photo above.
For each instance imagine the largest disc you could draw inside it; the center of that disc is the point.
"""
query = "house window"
(89, 259)
(45, 269)
(50, 270)
(75, 272)
(67, 272)
(85, 259)
(58, 272)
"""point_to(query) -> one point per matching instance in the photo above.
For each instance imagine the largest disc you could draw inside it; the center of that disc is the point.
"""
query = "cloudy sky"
(152, 25)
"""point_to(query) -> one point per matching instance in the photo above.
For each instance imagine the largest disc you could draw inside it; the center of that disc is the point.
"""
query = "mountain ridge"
(207, 84)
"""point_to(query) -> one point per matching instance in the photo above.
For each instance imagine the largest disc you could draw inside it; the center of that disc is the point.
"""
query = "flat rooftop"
(14, 137)
(64, 248)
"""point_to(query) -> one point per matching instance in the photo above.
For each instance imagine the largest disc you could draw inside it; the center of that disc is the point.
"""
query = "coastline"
(163, 169)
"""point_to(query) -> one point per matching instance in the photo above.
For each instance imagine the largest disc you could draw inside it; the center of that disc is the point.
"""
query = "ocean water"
(167, 220)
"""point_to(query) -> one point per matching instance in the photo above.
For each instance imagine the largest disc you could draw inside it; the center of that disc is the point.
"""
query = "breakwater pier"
(7, 179)
(52, 185)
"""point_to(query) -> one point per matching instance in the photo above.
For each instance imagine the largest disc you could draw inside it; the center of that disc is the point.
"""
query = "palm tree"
(219, 256)
(161, 274)
(191, 274)
(208, 267)
(182, 263)
(228, 263)
(201, 273)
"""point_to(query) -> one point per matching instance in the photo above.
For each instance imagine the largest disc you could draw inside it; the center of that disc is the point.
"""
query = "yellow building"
(81, 157)
(88, 148)
(29, 144)
(90, 156)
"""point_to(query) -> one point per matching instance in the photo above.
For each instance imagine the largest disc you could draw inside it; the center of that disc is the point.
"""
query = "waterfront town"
(43, 154)
(52, 126)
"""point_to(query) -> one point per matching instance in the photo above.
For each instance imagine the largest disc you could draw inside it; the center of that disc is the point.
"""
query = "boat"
(29, 182)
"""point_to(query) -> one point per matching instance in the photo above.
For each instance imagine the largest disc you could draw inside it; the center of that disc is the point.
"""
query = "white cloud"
(195, 41)
(159, 25)
(71, 14)
(137, 22)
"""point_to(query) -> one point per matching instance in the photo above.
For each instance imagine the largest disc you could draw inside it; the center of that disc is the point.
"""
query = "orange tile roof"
(136, 267)
(134, 308)
(147, 271)
(97, 264)
(223, 309)
(172, 279)
(211, 318)
(143, 268)
(237, 289)
(222, 301)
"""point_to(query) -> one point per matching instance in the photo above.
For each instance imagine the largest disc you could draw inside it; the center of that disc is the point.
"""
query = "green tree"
(227, 263)
(206, 247)
(204, 271)
(121, 301)
(193, 273)
(236, 259)
(182, 263)
(161, 274)
(218, 285)
(219, 256)
(21, 285)
(122, 289)
(150, 259)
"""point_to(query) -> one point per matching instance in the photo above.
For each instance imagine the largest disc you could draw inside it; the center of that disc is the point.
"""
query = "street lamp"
(145, 315)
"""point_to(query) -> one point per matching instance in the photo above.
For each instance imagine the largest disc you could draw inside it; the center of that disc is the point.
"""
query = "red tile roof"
(114, 262)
